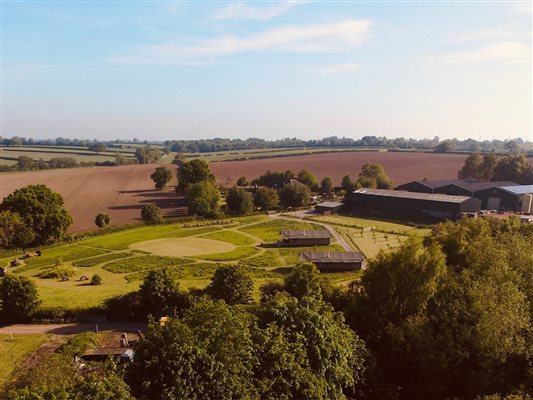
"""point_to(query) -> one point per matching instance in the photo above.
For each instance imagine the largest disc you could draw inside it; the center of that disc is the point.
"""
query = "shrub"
(96, 280)
(58, 272)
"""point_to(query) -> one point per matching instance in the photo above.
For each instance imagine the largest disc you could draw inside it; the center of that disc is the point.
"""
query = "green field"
(14, 351)
(122, 268)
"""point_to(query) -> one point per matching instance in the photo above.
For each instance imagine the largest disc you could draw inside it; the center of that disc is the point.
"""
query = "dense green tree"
(206, 355)
(274, 179)
(102, 220)
(161, 176)
(231, 284)
(97, 147)
(330, 356)
(303, 281)
(191, 172)
(514, 168)
(24, 163)
(151, 214)
(160, 294)
(487, 167)
(295, 195)
(203, 198)
(242, 181)
(471, 168)
(266, 198)
(239, 201)
(95, 387)
(41, 209)
(308, 179)
(373, 175)
(444, 147)
(13, 230)
(147, 155)
(18, 298)
(326, 185)
(348, 185)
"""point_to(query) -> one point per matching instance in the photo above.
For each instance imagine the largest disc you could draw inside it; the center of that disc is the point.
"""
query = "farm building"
(305, 238)
(453, 187)
(328, 207)
(412, 204)
(510, 198)
(327, 261)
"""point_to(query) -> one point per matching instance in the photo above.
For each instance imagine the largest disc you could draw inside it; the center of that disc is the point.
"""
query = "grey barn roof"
(331, 256)
(400, 194)
(521, 189)
(467, 184)
(330, 204)
(313, 234)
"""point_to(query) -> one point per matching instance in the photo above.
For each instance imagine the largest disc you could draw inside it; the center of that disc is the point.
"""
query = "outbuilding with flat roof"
(330, 261)
(307, 237)
(328, 207)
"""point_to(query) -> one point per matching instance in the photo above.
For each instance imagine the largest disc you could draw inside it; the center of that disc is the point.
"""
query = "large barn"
(308, 237)
(412, 204)
(496, 195)
(332, 261)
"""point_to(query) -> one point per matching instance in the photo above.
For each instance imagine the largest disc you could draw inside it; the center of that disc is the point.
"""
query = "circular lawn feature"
(179, 247)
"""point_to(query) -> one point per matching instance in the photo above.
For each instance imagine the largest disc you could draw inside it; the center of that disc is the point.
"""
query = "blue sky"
(186, 70)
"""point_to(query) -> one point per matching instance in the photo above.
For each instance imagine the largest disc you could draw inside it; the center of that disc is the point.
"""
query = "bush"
(102, 220)
(151, 214)
(58, 272)
(18, 298)
(96, 280)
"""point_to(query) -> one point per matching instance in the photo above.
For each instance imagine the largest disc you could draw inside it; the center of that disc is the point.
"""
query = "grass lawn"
(235, 255)
(122, 261)
(13, 352)
(123, 239)
(269, 231)
(231, 237)
(187, 246)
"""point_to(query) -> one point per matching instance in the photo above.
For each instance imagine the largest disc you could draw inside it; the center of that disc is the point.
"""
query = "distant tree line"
(213, 145)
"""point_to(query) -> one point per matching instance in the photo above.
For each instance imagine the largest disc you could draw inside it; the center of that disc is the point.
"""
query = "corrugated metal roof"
(331, 256)
(400, 194)
(308, 233)
(521, 189)
(330, 204)
(468, 184)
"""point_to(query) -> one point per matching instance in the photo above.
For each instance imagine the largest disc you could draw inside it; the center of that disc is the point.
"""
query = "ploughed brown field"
(401, 167)
(122, 191)
(119, 191)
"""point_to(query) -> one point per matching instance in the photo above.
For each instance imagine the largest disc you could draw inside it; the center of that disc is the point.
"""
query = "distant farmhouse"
(412, 204)
(493, 195)
(320, 237)
(333, 261)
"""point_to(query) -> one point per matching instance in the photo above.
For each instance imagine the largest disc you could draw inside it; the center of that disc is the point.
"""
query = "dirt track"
(69, 329)
(401, 167)
(119, 191)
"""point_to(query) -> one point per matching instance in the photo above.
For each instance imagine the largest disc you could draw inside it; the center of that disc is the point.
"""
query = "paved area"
(70, 329)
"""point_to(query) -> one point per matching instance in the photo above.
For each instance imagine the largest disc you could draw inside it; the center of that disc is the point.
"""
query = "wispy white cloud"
(245, 11)
(175, 7)
(334, 37)
(498, 34)
(334, 69)
(509, 52)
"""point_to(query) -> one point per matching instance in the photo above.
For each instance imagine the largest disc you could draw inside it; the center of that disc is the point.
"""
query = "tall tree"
(295, 195)
(471, 168)
(232, 285)
(326, 185)
(161, 176)
(13, 230)
(202, 199)
(151, 214)
(239, 201)
(192, 172)
(160, 294)
(373, 175)
(18, 299)
(41, 209)
(266, 198)
(308, 179)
